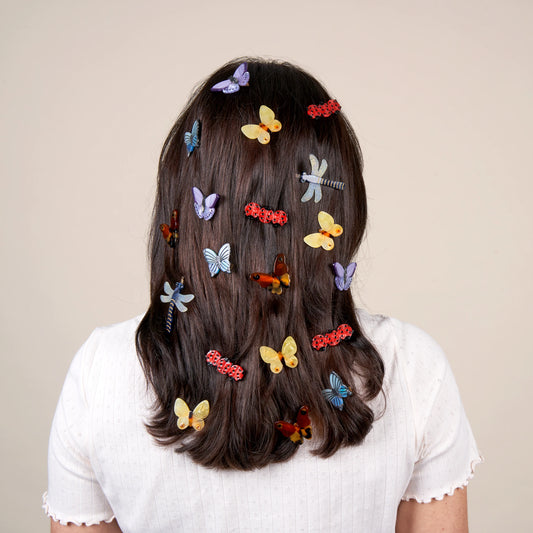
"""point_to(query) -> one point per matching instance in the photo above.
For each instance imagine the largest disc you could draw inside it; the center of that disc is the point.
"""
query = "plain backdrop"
(440, 95)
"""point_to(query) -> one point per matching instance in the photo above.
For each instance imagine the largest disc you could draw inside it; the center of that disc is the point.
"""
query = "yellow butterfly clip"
(187, 418)
(260, 131)
(323, 237)
(289, 348)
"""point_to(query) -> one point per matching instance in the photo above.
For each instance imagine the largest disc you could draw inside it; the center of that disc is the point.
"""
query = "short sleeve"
(74, 494)
(446, 451)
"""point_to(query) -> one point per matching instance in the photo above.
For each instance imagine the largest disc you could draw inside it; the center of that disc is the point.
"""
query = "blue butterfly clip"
(344, 276)
(176, 300)
(192, 138)
(337, 392)
(220, 261)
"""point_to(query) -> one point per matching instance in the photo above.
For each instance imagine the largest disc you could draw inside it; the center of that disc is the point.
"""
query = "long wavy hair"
(234, 315)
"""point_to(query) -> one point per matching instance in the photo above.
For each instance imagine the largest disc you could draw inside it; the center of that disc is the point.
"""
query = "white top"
(102, 463)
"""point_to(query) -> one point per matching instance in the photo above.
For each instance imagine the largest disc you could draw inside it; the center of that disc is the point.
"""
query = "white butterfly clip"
(220, 261)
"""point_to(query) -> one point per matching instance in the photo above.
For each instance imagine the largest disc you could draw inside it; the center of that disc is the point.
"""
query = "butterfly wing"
(339, 276)
(271, 357)
(209, 206)
(316, 240)
(181, 410)
(212, 261)
(200, 413)
(328, 224)
(198, 201)
(252, 131)
(223, 255)
(289, 430)
(304, 422)
(281, 270)
(288, 351)
(265, 280)
(348, 275)
(220, 86)
(268, 118)
(242, 75)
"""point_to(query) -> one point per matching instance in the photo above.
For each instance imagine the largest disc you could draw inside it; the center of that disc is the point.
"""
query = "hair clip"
(265, 215)
(260, 131)
(315, 180)
(323, 110)
(279, 277)
(224, 365)
(170, 233)
(204, 205)
(176, 300)
(323, 237)
(320, 342)
(344, 276)
(298, 431)
(220, 261)
(337, 392)
(188, 418)
(288, 350)
(192, 138)
(240, 78)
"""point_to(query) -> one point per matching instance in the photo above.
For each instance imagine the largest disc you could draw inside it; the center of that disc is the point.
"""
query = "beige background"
(439, 93)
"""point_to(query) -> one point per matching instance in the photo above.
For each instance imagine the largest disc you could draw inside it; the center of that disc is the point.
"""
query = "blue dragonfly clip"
(176, 300)
(315, 179)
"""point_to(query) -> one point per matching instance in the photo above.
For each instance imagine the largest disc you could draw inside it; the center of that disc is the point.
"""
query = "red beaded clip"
(321, 342)
(266, 216)
(323, 110)
(223, 365)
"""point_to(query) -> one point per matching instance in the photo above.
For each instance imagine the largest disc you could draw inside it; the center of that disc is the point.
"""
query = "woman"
(253, 396)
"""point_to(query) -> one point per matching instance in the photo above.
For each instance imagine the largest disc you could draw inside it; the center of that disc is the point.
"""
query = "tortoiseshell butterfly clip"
(298, 431)
(280, 277)
(170, 233)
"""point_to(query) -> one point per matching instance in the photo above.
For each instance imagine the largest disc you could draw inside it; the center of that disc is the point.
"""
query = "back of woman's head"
(235, 315)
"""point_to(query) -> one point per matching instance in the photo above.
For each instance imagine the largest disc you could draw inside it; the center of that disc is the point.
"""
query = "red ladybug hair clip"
(223, 365)
(265, 215)
(321, 342)
(323, 110)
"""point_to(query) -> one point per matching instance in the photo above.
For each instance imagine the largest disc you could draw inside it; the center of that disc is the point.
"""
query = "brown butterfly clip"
(298, 431)
(170, 233)
(279, 277)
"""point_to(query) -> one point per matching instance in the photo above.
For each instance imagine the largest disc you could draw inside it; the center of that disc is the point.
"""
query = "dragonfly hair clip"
(315, 180)
(321, 342)
(176, 301)
(265, 215)
(224, 365)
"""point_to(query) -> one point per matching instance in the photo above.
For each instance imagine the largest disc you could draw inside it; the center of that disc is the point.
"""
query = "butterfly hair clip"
(170, 233)
(344, 276)
(328, 229)
(279, 277)
(218, 262)
(315, 180)
(260, 131)
(323, 110)
(176, 301)
(338, 391)
(298, 431)
(240, 78)
(192, 138)
(320, 342)
(224, 365)
(274, 358)
(188, 418)
(265, 215)
(204, 205)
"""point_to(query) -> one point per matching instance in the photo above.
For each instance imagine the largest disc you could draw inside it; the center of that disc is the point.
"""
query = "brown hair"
(236, 316)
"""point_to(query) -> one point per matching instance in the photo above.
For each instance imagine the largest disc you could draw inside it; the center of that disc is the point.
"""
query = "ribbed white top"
(103, 464)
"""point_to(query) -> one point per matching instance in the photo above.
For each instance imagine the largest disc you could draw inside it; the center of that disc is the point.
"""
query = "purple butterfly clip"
(204, 205)
(239, 79)
(343, 277)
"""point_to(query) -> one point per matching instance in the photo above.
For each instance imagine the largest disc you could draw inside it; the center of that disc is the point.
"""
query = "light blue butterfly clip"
(220, 261)
(192, 138)
(337, 392)
(176, 300)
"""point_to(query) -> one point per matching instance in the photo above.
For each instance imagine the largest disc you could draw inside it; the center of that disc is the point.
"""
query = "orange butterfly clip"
(328, 229)
(275, 281)
(260, 131)
(298, 431)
